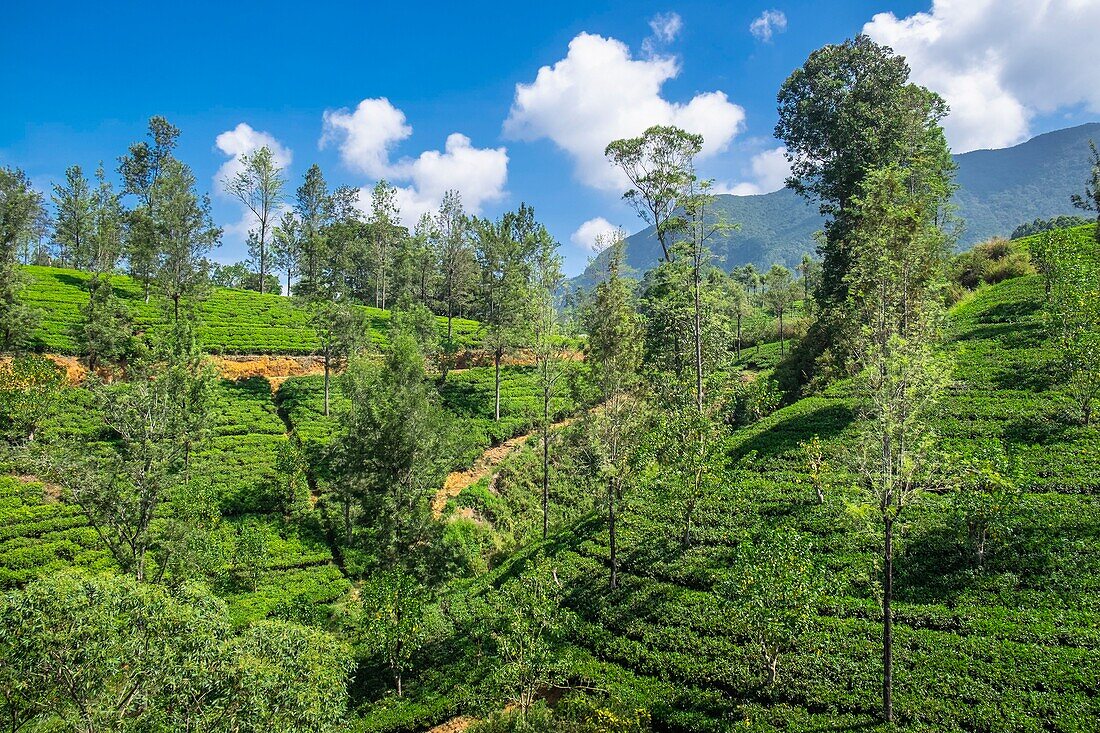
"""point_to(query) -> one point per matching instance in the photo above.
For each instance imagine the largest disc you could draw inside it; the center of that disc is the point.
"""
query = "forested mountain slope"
(998, 190)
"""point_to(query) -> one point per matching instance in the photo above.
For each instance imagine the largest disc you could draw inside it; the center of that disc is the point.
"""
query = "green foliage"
(108, 653)
(774, 591)
(30, 387)
(989, 263)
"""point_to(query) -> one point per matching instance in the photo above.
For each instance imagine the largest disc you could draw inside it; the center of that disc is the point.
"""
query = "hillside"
(998, 190)
(1010, 645)
(230, 321)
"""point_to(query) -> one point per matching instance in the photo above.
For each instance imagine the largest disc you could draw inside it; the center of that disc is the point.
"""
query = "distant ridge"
(998, 190)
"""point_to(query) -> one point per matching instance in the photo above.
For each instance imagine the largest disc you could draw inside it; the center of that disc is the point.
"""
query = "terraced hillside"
(1012, 644)
(230, 321)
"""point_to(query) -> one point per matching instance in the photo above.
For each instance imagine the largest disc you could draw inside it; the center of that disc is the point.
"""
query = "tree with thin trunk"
(385, 234)
(739, 309)
(779, 296)
(341, 331)
(614, 359)
(74, 206)
(502, 249)
(312, 207)
(141, 170)
(457, 266)
(21, 211)
(547, 343)
(187, 233)
(773, 592)
(258, 185)
(898, 254)
(286, 246)
(659, 166)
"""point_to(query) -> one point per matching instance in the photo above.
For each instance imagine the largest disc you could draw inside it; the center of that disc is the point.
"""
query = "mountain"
(998, 190)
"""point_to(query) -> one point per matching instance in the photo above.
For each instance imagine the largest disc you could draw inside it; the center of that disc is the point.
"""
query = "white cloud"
(998, 63)
(599, 93)
(589, 232)
(478, 174)
(665, 28)
(769, 23)
(769, 173)
(366, 136)
(243, 140)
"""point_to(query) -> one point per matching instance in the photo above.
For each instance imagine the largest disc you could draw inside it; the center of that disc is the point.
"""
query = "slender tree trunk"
(781, 345)
(888, 622)
(698, 328)
(738, 335)
(326, 382)
(496, 365)
(545, 464)
(611, 533)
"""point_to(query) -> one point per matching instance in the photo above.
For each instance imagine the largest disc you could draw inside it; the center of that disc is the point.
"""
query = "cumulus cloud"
(769, 173)
(998, 63)
(478, 174)
(367, 136)
(244, 140)
(768, 24)
(587, 234)
(665, 28)
(599, 93)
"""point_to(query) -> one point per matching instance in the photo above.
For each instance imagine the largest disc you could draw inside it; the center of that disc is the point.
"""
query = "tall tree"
(614, 358)
(457, 265)
(546, 341)
(312, 207)
(659, 166)
(385, 236)
(21, 212)
(502, 250)
(898, 255)
(141, 170)
(186, 231)
(1090, 201)
(341, 331)
(286, 246)
(258, 185)
(739, 309)
(779, 296)
(74, 207)
(848, 110)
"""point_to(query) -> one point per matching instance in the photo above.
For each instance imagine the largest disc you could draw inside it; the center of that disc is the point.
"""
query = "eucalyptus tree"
(1090, 201)
(386, 234)
(21, 212)
(660, 167)
(286, 246)
(105, 332)
(898, 255)
(258, 185)
(454, 254)
(187, 234)
(547, 343)
(740, 308)
(779, 296)
(614, 359)
(141, 170)
(503, 250)
(311, 204)
(74, 211)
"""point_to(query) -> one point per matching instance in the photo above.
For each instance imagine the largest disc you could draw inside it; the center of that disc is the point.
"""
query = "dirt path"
(455, 725)
(483, 466)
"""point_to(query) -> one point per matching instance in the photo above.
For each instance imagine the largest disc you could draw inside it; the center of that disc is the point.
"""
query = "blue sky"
(79, 80)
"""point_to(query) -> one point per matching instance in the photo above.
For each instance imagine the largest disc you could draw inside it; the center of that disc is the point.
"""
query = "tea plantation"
(230, 321)
(1012, 644)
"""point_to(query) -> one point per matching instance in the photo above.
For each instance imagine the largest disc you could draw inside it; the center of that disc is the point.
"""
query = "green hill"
(998, 190)
(230, 321)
